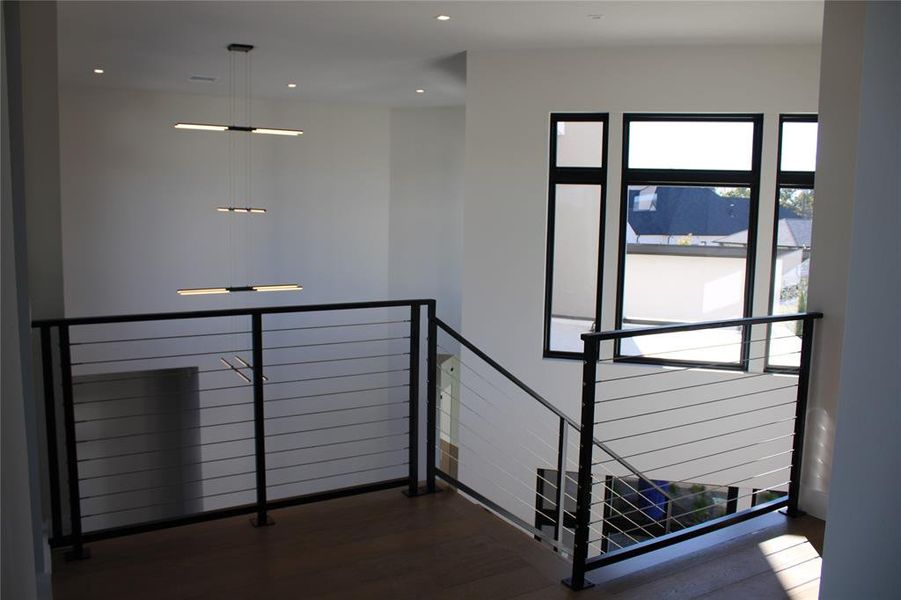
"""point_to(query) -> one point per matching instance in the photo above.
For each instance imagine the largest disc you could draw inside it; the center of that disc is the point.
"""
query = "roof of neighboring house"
(698, 211)
(795, 232)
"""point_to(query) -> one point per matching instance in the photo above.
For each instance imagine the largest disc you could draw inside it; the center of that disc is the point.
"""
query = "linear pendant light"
(278, 287)
(281, 287)
(239, 209)
(273, 287)
(213, 127)
(202, 291)
(201, 127)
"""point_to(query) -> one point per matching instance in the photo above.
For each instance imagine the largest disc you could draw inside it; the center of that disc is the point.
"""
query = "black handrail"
(497, 367)
(556, 411)
(228, 312)
(614, 334)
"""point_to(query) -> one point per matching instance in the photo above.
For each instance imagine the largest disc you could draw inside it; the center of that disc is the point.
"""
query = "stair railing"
(767, 416)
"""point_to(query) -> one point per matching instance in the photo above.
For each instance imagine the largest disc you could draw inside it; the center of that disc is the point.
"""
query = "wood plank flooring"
(384, 545)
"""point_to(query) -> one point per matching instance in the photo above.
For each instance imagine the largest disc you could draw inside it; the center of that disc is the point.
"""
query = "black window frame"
(799, 180)
(575, 176)
(690, 177)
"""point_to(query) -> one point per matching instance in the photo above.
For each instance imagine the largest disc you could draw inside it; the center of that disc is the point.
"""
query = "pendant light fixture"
(245, 48)
(263, 130)
(247, 210)
(278, 287)
(236, 207)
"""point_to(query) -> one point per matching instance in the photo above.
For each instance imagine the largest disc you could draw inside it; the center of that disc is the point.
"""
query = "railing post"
(794, 486)
(259, 424)
(413, 451)
(431, 397)
(50, 422)
(78, 550)
(560, 496)
(745, 353)
(586, 453)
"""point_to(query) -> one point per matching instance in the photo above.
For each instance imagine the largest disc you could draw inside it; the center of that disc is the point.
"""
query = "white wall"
(843, 26)
(40, 113)
(19, 566)
(509, 97)
(25, 572)
(139, 201)
(139, 222)
(861, 556)
(40, 118)
(425, 234)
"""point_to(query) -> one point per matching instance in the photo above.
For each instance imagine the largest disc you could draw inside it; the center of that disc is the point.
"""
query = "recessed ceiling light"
(98, 71)
(442, 18)
(292, 85)
(420, 91)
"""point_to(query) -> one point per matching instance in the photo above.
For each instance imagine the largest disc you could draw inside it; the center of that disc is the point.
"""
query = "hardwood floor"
(384, 545)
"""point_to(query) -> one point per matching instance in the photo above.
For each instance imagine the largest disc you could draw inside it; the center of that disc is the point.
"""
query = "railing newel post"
(78, 551)
(413, 450)
(262, 518)
(559, 496)
(794, 486)
(586, 452)
(51, 431)
(431, 396)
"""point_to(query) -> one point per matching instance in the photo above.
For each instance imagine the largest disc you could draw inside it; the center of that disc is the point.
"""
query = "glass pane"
(799, 146)
(637, 511)
(574, 289)
(700, 145)
(580, 144)
(696, 503)
(686, 256)
(790, 272)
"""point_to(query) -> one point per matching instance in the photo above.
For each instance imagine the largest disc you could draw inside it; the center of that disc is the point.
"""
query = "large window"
(792, 234)
(577, 179)
(687, 232)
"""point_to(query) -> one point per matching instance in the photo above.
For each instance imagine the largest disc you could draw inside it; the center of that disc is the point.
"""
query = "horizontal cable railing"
(171, 418)
(501, 443)
(165, 419)
(708, 444)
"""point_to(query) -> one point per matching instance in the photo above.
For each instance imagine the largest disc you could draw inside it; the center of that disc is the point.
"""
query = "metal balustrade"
(171, 418)
(706, 446)
(166, 419)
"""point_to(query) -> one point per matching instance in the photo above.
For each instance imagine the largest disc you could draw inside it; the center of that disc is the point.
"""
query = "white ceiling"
(381, 52)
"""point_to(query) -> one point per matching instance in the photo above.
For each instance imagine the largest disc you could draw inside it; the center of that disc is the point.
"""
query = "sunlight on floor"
(795, 563)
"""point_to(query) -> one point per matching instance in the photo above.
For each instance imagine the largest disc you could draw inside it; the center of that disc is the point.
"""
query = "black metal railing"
(670, 453)
(171, 418)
